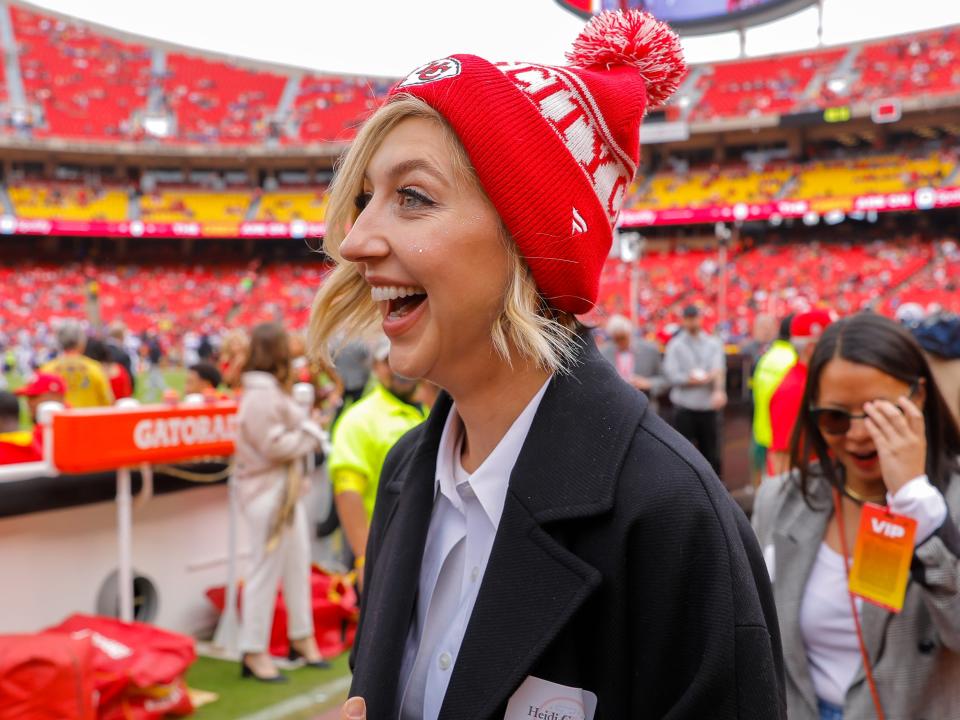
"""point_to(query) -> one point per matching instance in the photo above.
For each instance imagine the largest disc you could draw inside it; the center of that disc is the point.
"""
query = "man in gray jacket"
(696, 369)
(637, 361)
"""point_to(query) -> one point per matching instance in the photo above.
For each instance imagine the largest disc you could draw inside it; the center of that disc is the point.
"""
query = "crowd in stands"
(84, 83)
(329, 109)
(163, 301)
(88, 84)
(69, 201)
(180, 205)
(760, 87)
(841, 177)
(167, 301)
(778, 279)
(827, 179)
(218, 102)
(927, 63)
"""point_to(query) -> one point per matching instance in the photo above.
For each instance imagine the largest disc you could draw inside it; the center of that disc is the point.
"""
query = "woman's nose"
(858, 430)
(366, 239)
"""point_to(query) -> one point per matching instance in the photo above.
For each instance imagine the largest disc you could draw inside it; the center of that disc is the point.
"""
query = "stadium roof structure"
(697, 17)
(75, 88)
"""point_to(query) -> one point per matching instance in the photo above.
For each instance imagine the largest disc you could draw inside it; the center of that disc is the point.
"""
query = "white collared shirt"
(463, 525)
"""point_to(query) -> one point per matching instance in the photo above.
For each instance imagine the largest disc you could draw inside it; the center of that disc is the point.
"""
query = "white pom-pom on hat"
(633, 37)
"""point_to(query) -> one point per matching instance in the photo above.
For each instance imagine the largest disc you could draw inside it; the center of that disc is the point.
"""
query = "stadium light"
(838, 85)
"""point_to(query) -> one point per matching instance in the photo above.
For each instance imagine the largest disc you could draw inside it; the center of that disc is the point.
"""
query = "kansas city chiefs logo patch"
(433, 71)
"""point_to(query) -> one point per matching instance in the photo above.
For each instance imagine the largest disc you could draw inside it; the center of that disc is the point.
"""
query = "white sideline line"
(299, 703)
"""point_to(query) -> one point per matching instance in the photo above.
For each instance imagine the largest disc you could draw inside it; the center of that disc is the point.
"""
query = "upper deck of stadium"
(67, 81)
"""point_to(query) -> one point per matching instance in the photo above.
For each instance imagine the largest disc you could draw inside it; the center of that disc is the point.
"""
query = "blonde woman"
(543, 545)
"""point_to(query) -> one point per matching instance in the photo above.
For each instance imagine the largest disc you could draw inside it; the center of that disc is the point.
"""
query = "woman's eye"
(362, 200)
(411, 198)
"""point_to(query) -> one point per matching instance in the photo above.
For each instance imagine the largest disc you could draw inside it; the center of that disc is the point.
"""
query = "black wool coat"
(620, 566)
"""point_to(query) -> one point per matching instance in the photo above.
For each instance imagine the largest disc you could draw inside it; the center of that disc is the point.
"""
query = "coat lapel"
(392, 591)
(796, 544)
(533, 584)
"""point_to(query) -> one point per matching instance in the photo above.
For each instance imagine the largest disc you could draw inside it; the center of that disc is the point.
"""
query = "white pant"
(290, 560)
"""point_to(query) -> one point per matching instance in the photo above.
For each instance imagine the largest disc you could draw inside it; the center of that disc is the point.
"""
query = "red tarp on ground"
(46, 677)
(334, 614)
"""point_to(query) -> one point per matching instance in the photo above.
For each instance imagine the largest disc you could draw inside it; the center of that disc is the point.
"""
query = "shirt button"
(444, 661)
(474, 574)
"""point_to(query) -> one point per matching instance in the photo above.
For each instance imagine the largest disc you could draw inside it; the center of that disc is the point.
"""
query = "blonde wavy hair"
(343, 307)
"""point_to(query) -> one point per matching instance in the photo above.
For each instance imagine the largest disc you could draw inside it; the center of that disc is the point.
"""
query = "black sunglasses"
(833, 421)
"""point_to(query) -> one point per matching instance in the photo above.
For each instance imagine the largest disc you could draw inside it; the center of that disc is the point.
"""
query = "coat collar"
(567, 469)
(581, 432)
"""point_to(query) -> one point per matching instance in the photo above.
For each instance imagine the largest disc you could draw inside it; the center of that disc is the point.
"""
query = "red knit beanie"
(556, 148)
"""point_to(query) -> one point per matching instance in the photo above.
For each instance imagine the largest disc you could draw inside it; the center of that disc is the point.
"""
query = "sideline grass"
(173, 378)
(239, 696)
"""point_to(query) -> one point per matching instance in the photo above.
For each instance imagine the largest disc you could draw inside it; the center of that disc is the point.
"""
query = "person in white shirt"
(543, 545)
(873, 427)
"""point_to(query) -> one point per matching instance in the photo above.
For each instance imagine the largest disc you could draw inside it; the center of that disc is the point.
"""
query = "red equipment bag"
(46, 678)
(335, 613)
(138, 668)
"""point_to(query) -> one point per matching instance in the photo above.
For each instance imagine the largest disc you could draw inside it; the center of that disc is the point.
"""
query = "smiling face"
(847, 386)
(428, 244)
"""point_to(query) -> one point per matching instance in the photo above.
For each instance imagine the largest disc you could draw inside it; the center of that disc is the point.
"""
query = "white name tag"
(538, 699)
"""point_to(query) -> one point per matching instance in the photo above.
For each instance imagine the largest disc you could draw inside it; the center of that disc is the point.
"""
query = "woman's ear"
(920, 396)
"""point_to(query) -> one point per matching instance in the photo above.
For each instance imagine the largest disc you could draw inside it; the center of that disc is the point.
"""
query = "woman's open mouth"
(864, 460)
(403, 306)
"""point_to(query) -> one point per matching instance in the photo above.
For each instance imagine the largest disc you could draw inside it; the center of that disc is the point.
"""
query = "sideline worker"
(771, 368)
(805, 330)
(362, 437)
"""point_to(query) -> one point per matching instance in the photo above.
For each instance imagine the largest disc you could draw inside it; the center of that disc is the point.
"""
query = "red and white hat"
(556, 147)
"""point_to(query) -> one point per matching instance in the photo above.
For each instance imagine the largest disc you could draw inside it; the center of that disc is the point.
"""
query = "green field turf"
(173, 378)
(240, 697)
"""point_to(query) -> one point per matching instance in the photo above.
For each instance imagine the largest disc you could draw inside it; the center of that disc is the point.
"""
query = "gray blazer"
(646, 363)
(915, 654)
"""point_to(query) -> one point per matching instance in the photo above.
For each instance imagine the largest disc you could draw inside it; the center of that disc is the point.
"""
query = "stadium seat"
(288, 205)
(924, 63)
(763, 86)
(329, 108)
(89, 86)
(219, 102)
(186, 205)
(68, 202)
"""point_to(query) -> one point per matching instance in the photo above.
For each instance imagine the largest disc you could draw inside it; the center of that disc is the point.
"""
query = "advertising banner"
(96, 439)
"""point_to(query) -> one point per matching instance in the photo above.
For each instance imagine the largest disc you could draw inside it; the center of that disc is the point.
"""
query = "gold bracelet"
(360, 562)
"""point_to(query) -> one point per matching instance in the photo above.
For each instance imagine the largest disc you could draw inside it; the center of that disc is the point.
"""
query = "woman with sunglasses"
(543, 545)
(873, 427)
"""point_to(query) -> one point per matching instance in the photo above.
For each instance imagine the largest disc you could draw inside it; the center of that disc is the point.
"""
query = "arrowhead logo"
(579, 224)
(433, 71)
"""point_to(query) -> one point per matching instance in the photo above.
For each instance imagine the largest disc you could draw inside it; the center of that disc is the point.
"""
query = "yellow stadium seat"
(67, 202)
(310, 206)
(880, 174)
(193, 206)
(700, 188)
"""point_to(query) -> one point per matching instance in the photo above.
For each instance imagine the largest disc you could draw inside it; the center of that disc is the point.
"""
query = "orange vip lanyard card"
(881, 557)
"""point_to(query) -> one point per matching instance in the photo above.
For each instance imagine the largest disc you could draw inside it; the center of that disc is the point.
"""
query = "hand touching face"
(898, 433)
(885, 443)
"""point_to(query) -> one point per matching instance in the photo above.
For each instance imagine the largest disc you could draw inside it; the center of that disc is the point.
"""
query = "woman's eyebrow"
(408, 166)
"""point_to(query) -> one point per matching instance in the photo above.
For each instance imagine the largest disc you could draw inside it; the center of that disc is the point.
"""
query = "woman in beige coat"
(273, 436)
